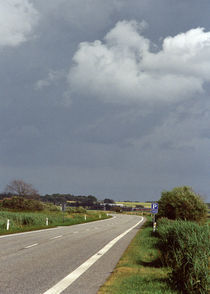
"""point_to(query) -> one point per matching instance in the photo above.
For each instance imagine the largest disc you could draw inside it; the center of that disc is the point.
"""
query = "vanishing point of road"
(76, 259)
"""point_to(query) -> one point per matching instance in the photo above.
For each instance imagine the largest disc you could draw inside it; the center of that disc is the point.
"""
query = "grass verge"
(29, 221)
(140, 269)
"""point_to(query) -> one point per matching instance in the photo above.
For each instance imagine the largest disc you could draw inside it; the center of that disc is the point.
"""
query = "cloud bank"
(17, 20)
(125, 68)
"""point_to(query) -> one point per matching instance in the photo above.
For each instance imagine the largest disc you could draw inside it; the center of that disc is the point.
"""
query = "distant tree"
(182, 203)
(107, 200)
(92, 198)
(22, 189)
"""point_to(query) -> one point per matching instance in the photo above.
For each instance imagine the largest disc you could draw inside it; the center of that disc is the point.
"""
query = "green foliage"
(51, 207)
(63, 198)
(20, 203)
(185, 248)
(25, 221)
(76, 209)
(108, 200)
(182, 203)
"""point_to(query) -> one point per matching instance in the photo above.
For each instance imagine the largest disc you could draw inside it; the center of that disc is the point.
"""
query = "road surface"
(76, 259)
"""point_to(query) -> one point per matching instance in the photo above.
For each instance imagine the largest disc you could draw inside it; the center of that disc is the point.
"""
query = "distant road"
(76, 259)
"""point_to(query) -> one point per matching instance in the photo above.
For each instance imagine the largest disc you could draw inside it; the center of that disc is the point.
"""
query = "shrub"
(51, 207)
(79, 209)
(182, 203)
(70, 209)
(20, 203)
(185, 248)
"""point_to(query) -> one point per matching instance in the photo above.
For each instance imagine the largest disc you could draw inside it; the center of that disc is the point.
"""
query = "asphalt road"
(76, 259)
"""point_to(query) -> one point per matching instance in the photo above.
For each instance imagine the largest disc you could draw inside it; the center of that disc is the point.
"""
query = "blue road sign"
(154, 208)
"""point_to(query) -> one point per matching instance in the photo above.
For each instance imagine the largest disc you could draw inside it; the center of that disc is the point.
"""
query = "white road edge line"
(56, 237)
(29, 246)
(69, 279)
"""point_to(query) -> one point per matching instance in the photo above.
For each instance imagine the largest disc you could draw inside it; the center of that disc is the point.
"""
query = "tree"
(108, 200)
(22, 189)
(182, 203)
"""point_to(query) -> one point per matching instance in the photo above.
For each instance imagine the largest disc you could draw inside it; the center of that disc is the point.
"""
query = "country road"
(76, 259)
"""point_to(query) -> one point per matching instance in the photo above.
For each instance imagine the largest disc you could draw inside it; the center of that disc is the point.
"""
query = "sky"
(109, 98)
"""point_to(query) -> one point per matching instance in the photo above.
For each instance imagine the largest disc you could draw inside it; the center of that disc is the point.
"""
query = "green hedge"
(21, 203)
(185, 248)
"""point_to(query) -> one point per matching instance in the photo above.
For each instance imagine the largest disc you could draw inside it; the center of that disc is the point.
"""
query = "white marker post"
(99, 215)
(8, 225)
(46, 221)
(85, 217)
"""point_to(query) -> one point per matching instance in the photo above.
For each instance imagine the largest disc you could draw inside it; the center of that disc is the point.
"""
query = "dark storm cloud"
(74, 140)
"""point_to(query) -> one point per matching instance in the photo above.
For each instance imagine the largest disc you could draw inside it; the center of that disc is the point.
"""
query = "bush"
(76, 209)
(185, 248)
(182, 203)
(20, 203)
(51, 207)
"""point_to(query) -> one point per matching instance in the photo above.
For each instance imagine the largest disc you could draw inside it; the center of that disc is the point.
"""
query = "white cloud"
(52, 77)
(123, 69)
(17, 19)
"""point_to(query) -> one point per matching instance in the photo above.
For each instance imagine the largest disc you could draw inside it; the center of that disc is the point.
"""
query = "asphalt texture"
(32, 263)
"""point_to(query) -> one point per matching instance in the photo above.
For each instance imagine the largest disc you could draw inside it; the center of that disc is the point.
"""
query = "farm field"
(133, 204)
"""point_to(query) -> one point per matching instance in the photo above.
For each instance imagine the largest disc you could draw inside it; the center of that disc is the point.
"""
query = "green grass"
(185, 248)
(140, 269)
(28, 221)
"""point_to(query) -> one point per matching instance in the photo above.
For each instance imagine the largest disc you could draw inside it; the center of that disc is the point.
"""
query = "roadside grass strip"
(140, 269)
(30, 221)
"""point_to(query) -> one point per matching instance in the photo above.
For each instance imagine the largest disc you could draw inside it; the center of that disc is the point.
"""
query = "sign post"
(63, 208)
(154, 210)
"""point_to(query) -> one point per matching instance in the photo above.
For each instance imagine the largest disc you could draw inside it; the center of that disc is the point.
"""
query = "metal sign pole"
(154, 210)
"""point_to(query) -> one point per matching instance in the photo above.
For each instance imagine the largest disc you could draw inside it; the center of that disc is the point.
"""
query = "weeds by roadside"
(27, 221)
(185, 248)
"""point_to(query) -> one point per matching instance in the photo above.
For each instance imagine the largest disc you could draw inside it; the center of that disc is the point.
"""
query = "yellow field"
(133, 204)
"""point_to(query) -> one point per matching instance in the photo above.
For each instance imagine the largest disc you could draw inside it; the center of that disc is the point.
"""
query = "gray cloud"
(113, 137)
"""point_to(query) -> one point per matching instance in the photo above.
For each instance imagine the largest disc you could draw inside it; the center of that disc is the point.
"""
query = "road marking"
(26, 233)
(56, 237)
(75, 232)
(69, 279)
(29, 246)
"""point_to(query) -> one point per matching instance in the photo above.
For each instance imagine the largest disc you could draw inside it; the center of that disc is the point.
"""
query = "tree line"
(19, 188)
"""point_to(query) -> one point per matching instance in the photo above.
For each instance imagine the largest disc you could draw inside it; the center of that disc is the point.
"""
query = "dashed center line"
(56, 237)
(29, 246)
